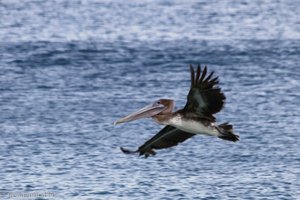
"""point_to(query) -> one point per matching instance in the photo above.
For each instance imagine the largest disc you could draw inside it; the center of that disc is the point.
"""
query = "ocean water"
(69, 69)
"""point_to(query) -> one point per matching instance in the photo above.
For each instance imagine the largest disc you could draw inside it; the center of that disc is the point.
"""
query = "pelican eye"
(158, 102)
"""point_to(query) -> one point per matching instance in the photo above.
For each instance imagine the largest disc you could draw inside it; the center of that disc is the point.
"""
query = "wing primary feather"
(213, 82)
(192, 76)
(128, 151)
(198, 72)
(203, 75)
(209, 76)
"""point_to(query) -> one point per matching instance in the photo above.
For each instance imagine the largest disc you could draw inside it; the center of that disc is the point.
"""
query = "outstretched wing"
(205, 98)
(167, 137)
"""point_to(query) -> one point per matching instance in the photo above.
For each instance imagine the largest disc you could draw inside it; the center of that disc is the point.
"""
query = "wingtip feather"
(127, 151)
(192, 75)
(198, 72)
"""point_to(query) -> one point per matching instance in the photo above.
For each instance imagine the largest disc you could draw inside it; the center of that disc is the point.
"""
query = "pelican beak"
(148, 111)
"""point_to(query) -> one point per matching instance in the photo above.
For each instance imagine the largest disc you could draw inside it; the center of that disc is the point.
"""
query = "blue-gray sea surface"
(68, 69)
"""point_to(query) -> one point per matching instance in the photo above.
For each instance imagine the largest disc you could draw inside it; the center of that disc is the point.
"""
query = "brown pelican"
(204, 99)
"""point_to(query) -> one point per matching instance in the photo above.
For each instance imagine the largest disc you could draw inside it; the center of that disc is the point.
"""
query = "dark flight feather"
(167, 137)
(205, 97)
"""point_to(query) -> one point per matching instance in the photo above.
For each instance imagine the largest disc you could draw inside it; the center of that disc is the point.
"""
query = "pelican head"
(160, 107)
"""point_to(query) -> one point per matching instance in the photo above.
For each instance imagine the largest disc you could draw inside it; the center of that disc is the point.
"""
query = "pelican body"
(205, 99)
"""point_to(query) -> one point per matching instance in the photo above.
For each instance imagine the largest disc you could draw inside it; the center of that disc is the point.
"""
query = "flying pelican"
(204, 99)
